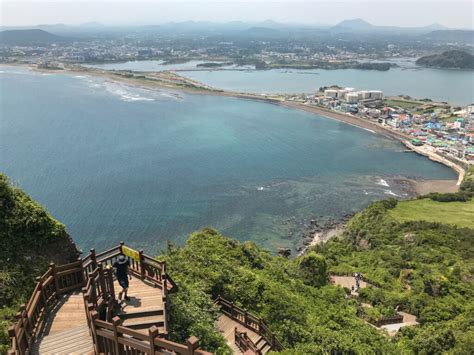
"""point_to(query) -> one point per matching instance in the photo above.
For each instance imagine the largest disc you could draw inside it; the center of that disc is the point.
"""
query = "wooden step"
(266, 349)
(144, 322)
(261, 342)
(141, 313)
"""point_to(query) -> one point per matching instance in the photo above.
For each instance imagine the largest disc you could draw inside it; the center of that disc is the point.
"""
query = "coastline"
(169, 80)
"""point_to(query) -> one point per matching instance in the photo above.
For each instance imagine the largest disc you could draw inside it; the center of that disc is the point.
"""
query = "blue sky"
(455, 14)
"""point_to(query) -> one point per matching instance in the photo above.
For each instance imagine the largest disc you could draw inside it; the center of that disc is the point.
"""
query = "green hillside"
(457, 213)
(30, 239)
(455, 59)
(424, 268)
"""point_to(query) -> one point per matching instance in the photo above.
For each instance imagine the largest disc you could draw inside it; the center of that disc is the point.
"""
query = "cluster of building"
(447, 130)
(351, 96)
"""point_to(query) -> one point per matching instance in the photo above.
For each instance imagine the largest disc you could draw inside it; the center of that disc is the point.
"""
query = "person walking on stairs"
(121, 267)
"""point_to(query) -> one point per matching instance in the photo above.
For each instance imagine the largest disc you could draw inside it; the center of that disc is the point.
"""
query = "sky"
(406, 13)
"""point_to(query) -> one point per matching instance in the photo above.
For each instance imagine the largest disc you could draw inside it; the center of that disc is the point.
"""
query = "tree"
(313, 269)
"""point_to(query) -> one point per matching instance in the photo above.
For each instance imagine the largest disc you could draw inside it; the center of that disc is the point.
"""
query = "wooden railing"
(249, 321)
(244, 343)
(56, 281)
(113, 338)
(94, 276)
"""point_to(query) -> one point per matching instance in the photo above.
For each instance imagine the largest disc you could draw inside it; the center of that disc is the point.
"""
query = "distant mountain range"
(453, 36)
(30, 37)
(454, 59)
(266, 30)
(359, 25)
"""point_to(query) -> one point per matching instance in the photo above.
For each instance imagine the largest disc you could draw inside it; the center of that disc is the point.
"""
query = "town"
(438, 127)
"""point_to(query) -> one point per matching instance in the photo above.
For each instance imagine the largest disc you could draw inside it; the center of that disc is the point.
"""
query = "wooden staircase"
(73, 310)
(244, 332)
(145, 308)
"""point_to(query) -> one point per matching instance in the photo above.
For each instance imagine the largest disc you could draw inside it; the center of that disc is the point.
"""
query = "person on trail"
(121, 267)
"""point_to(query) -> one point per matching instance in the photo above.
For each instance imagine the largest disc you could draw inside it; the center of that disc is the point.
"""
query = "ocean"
(114, 162)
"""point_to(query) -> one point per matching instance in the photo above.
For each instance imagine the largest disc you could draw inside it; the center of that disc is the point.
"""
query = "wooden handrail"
(88, 275)
(244, 343)
(249, 321)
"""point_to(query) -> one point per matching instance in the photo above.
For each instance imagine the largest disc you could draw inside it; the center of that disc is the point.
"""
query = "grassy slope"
(424, 268)
(458, 213)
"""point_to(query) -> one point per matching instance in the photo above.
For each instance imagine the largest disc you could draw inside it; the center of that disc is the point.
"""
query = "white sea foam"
(382, 182)
(368, 130)
(390, 192)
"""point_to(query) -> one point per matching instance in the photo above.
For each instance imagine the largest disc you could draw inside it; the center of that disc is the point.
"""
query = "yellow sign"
(131, 253)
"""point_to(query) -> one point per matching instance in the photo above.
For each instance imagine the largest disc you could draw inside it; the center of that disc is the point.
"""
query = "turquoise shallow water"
(114, 162)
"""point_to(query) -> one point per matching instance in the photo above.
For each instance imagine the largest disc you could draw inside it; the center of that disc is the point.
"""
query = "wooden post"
(152, 334)
(93, 259)
(193, 344)
(245, 316)
(163, 268)
(13, 336)
(40, 288)
(110, 280)
(116, 322)
(83, 279)
(164, 285)
(120, 246)
(55, 278)
(142, 266)
(94, 317)
(103, 289)
(93, 290)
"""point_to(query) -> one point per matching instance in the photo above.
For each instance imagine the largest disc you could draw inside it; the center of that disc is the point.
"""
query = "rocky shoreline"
(317, 232)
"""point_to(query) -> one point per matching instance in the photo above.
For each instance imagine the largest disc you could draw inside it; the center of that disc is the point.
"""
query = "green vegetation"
(213, 64)
(404, 104)
(326, 65)
(291, 295)
(30, 239)
(450, 196)
(424, 268)
(455, 59)
(458, 213)
(468, 182)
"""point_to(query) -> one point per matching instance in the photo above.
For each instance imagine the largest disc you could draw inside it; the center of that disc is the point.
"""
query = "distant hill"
(30, 37)
(450, 59)
(453, 36)
(354, 24)
(359, 25)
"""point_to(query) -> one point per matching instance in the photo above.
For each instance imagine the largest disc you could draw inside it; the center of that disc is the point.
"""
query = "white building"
(352, 97)
(330, 93)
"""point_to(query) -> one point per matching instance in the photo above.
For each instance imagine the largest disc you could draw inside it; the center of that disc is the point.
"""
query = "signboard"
(131, 253)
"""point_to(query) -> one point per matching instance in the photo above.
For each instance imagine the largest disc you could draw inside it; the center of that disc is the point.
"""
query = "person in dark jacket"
(121, 267)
